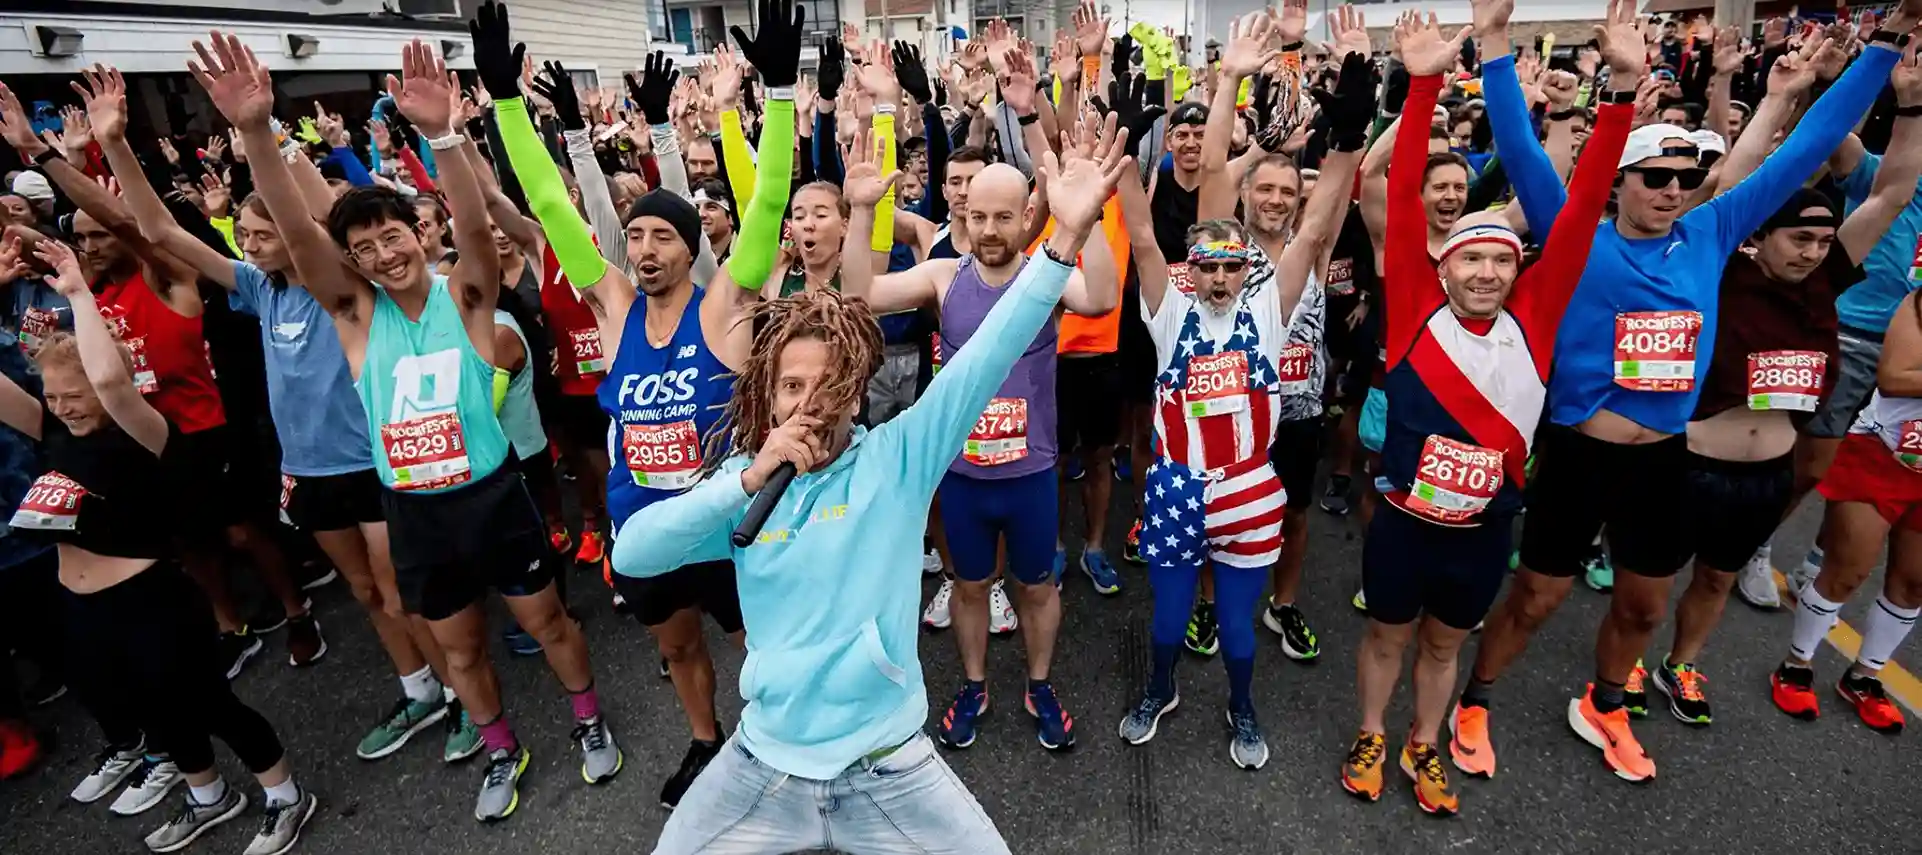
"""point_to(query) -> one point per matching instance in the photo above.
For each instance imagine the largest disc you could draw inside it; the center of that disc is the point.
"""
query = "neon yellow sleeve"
(501, 380)
(566, 230)
(740, 163)
(760, 236)
(884, 210)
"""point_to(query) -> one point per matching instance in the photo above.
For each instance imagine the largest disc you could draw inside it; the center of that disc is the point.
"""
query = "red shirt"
(579, 361)
(170, 362)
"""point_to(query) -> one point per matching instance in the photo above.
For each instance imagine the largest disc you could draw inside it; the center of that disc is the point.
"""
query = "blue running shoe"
(1101, 572)
(1124, 470)
(958, 725)
(1053, 726)
(1075, 468)
(519, 642)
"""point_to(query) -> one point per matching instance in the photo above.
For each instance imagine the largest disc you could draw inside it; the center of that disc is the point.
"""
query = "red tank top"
(170, 362)
(579, 362)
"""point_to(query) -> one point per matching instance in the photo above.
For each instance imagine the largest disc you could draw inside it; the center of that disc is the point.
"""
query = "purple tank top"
(1024, 407)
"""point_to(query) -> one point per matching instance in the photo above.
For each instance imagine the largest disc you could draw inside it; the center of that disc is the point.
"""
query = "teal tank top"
(429, 397)
(520, 418)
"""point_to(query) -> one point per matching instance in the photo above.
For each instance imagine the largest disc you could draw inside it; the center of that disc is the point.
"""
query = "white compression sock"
(284, 793)
(1813, 617)
(421, 686)
(1888, 625)
(210, 794)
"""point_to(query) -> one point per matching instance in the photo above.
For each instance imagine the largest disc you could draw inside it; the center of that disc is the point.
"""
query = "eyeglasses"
(1658, 177)
(1211, 267)
(395, 241)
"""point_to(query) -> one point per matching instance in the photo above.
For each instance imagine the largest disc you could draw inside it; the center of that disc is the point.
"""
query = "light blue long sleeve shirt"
(830, 590)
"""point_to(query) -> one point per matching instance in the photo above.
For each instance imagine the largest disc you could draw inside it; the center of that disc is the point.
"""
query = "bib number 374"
(1000, 435)
(1655, 351)
(1456, 480)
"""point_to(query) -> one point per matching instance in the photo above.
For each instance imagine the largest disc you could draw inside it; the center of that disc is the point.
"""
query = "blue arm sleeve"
(357, 174)
(687, 529)
(1537, 186)
(1738, 212)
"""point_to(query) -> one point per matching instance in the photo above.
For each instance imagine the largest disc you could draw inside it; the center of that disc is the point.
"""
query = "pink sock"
(498, 735)
(587, 703)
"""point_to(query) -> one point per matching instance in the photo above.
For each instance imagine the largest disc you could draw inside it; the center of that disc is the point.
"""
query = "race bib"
(51, 504)
(587, 351)
(144, 378)
(936, 354)
(1785, 379)
(286, 497)
(426, 452)
(1000, 435)
(663, 457)
(1655, 351)
(1179, 278)
(1455, 481)
(35, 325)
(1915, 265)
(1217, 384)
(1908, 446)
(1341, 276)
(1296, 360)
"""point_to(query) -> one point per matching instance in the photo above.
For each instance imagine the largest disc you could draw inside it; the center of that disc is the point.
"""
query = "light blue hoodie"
(830, 590)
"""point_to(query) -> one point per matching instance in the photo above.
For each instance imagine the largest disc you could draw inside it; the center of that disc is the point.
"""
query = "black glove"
(654, 88)
(775, 50)
(832, 69)
(1128, 96)
(1350, 109)
(1124, 51)
(912, 72)
(1394, 94)
(497, 58)
(557, 86)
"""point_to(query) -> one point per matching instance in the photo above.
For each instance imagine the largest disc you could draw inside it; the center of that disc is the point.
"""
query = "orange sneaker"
(1793, 690)
(1468, 743)
(1422, 764)
(559, 539)
(592, 549)
(1635, 692)
(1609, 732)
(1361, 772)
(1871, 703)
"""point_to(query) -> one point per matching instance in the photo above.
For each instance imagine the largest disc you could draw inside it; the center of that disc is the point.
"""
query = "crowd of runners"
(1541, 313)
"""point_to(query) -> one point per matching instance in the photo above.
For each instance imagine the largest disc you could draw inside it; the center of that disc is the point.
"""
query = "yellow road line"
(1900, 684)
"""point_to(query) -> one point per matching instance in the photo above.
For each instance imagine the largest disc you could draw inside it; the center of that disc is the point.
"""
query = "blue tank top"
(429, 397)
(1015, 436)
(662, 401)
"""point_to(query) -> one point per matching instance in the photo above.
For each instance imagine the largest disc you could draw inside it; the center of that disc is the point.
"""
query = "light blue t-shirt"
(317, 413)
(1891, 265)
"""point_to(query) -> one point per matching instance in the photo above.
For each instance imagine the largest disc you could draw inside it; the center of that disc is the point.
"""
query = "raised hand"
(105, 98)
(1728, 56)
(1128, 102)
(655, 87)
(1560, 87)
(1090, 29)
(1350, 30)
(216, 148)
(557, 86)
(1291, 26)
(1904, 17)
(1829, 59)
(235, 81)
(1622, 36)
(16, 126)
(864, 185)
(973, 56)
(498, 59)
(723, 75)
(1351, 107)
(1064, 60)
(1528, 68)
(775, 50)
(1248, 50)
(1018, 85)
(333, 130)
(1907, 79)
(911, 71)
(1424, 50)
(382, 137)
(1775, 33)
(11, 265)
(214, 195)
(67, 279)
(1491, 20)
(1078, 186)
(422, 92)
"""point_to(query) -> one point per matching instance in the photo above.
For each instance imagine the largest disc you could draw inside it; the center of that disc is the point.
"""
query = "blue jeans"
(906, 802)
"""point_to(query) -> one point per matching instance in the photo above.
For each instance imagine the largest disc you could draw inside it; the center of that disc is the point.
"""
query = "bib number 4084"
(1655, 351)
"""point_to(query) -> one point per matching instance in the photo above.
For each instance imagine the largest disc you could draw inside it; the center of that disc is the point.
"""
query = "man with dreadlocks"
(830, 588)
(675, 347)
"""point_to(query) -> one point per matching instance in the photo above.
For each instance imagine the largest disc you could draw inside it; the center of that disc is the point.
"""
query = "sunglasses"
(1210, 267)
(1658, 177)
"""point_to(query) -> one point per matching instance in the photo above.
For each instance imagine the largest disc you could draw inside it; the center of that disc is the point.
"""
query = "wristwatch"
(1617, 96)
(51, 154)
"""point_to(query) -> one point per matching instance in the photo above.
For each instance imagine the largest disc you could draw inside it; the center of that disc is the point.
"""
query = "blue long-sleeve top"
(831, 589)
(1678, 272)
(356, 171)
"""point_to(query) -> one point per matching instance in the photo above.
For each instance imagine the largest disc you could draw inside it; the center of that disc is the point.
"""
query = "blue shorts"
(978, 513)
(1373, 426)
(1411, 567)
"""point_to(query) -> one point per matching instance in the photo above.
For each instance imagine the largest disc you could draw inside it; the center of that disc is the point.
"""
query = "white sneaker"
(937, 616)
(1756, 584)
(148, 787)
(111, 768)
(1001, 616)
(1802, 576)
(930, 562)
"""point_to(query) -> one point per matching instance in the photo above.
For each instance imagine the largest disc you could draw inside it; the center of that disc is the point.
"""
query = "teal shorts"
(1374, 420)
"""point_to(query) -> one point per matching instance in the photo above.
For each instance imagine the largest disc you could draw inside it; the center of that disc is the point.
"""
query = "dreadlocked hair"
(853, 337)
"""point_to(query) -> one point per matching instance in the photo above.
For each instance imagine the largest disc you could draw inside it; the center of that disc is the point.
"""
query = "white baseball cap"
(1646, 142)
(33, 185)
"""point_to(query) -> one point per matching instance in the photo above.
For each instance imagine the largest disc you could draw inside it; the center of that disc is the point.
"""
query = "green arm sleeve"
(760, 236)
(566, 230)
(883, 240)
(740, 164)
(501, 381)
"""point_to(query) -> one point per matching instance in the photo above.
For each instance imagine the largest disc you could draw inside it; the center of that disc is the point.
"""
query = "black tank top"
(1175, 209)
(106, 493)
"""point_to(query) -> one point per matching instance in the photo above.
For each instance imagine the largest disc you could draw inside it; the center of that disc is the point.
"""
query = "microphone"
(762, 505)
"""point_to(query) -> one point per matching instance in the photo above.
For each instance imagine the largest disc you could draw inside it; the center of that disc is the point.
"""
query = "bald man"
(1003, 484)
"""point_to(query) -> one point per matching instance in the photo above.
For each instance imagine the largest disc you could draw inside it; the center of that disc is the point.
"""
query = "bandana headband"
(1484, 233)
(1218, 250)
(701, 196)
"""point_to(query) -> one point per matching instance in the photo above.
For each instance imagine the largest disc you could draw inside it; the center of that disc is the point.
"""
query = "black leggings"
(30, 625)
(143, 657)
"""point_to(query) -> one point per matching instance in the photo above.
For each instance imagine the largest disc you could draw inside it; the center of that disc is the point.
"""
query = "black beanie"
(678, 212)
(1790, 214)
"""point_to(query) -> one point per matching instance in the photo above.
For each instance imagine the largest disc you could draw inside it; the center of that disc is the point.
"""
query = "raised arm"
(1247, 53)
(1350, 110)
(1537, 186)
(1408, 275)
(1552, 280)
(1374, 184)
(760, 236)
(429, 96)
(566, 230)
(1895, 181)
(101, 355)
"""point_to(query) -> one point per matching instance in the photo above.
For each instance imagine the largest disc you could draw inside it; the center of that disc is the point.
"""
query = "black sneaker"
(1683, 686)
(236, 648)
(273, 616)
(44, 691)
(665, 673)
(1298, 641)
(699, 754)
(316, 574)
(1204, 635)
(1334, 499)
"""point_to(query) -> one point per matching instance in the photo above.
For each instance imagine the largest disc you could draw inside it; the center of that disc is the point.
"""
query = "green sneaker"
(1204, 635)
(463, 738)
(407, 718)
(1598, 572)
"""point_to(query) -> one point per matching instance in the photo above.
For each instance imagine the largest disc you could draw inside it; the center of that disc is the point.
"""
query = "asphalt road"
(1755, 781)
